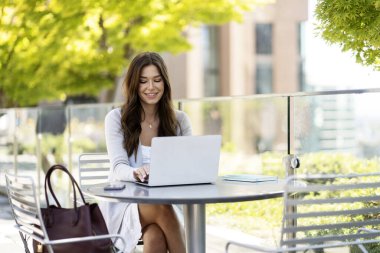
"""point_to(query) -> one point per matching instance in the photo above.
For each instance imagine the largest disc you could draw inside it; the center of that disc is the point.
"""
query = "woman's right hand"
(141, 174)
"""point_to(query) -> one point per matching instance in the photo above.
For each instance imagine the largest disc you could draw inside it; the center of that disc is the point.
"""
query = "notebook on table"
(249, 178)
(181, 160)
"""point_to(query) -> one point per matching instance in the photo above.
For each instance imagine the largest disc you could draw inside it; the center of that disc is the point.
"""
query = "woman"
(147, 112)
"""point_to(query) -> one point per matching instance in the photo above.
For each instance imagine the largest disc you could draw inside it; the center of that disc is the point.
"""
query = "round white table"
(193, 198)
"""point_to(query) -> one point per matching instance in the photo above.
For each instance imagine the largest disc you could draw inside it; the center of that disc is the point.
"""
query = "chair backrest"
(331, 210)
(94, 168)
(25, 206)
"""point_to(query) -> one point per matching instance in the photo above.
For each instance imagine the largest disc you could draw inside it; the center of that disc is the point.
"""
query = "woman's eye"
(157, 80)
(142, 81)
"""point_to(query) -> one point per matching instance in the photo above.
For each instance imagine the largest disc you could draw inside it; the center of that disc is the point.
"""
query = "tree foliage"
(50, 49)
(354, 25)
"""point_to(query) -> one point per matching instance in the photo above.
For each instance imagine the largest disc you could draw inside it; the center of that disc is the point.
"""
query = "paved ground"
(10, 241)
(9, 237)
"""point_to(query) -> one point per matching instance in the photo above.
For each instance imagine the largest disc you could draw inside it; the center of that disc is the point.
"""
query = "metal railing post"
(180, 106)
(38, 150)
(15, 143)
(290, 162)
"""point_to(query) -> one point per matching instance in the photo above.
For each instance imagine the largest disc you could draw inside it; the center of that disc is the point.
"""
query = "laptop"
(181, 160)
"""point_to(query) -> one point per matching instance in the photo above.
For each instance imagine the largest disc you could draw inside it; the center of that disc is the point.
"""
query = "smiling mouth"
(151, 95)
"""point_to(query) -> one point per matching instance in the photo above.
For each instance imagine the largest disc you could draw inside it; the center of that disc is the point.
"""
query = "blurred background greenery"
(50, 50)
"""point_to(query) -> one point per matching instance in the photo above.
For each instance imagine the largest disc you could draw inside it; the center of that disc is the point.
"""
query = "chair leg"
(24, 241)
(362, 248)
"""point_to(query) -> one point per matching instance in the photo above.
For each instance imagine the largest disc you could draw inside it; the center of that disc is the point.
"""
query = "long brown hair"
(132, 109)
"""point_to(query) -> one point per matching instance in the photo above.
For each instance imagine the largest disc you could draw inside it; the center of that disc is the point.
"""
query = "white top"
(123, 218)
(145, 151)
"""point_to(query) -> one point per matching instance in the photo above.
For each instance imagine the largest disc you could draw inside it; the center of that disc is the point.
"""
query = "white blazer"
(123, 218)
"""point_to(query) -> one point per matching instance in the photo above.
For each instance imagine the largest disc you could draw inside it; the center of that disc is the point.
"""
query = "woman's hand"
(141, 174)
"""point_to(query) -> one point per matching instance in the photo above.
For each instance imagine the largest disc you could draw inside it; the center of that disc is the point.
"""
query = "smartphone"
(114, 187)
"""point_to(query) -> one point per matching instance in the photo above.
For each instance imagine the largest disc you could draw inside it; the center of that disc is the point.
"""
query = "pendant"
(150, 126)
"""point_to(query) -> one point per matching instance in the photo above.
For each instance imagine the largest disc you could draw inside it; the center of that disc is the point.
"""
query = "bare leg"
(165, 218)
(154, 239)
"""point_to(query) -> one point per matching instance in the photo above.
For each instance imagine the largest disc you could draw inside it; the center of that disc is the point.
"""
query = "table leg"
(195, 226)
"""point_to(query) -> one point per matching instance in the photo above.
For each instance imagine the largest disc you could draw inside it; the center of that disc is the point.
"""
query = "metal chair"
(27, 214)
(327, 211)
(94, 168)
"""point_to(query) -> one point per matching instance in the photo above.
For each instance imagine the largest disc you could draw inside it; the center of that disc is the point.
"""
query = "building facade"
(263, 54)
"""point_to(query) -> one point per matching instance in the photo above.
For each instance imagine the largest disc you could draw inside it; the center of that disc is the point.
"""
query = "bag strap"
(47, 181)
(73, 183)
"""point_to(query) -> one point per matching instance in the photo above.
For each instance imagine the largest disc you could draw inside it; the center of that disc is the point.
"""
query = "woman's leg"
(154, 239)
(165, 218)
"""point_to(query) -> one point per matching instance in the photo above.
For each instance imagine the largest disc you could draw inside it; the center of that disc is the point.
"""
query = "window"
(301, 38)
(301, 57)
(210, 61)
(264, 61)
(301, 76)
(264, 73)
(263, 35)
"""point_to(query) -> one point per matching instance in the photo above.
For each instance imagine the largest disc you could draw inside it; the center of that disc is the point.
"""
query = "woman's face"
(151, 85)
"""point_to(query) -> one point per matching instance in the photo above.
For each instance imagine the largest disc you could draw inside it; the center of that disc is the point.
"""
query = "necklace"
(150, 124)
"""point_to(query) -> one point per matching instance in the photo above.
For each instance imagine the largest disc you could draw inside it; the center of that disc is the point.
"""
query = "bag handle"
(73, 183)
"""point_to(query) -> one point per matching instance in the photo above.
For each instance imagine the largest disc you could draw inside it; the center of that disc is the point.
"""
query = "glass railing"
(251, 128)
(18, 142)
(331, 132)
(257, 131)
(337, 132)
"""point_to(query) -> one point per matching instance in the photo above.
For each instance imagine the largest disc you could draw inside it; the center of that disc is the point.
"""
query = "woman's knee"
(154, 237)
(159, 214)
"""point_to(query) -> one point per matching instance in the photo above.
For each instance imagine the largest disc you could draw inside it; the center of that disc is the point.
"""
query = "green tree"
(50, 49)
(354, 25)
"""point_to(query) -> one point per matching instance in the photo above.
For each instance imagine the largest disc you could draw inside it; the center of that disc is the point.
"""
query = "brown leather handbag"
(61, 223)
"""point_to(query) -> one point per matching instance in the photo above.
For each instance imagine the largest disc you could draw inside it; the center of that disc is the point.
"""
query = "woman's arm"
(120, 167)
(184, 123)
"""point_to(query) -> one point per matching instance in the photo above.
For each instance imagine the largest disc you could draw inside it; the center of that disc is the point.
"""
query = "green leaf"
(354, 25)
(53, 49)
